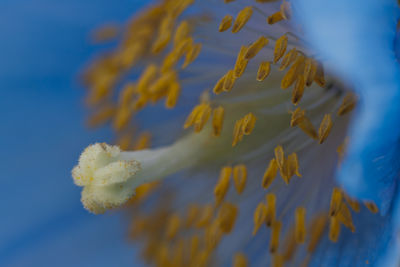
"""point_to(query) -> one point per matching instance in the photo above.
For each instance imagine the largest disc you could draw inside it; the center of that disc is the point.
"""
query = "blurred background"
(43, 46)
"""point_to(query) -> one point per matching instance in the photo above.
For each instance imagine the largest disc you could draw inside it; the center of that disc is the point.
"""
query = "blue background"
(43, 46)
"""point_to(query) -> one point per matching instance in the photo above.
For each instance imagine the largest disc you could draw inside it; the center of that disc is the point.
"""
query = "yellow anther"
(217, 120)
(206, 214)
(277, 260)
(348, 104)
(213, 235)
(182, 32)
(285, 10)
(270, 173)
(240, 260)
(194, 245)
(334, 229)
(341, 150)
(292, 74)
(192, 54)
(344, 217)
(240, 177)
(229, 81)
(336, 201)
(164, 34)
(201, 258)
(310, 74)
(227, 217)
(279, 156)
(316, 230)
(159, 88)
(298, 90)
(173, 224)
(324, 128)
(354, 204)
(242, 18)
(241, 62)
(219, 86)
(178, 253)
(237, 132)
(319, 77)
(274, 18)
(226, 23)
(243, 127)
(255, 47)
(122, 117)
(308, 128)
(297, 117)
(275, 232)
(280, 47)
(292, 165)
(222, 185)
(142, 142)
(126, 95)
(371, 206)
(259, 216)
(198, 117)
(288, 59)
(172, 95)
(147, 77)
(300, 225)
(263, 70)
(101, 116)
(290, 244)
(270, 212)
(192, 214)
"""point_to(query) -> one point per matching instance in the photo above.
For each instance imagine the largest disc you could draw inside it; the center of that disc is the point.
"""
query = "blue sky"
(43, 45)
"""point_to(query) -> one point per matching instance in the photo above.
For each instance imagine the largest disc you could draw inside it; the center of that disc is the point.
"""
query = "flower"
(248, 130)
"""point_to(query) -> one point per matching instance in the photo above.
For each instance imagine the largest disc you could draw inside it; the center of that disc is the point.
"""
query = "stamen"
(324, 128)
(297, 116)
(344, 216)
(300, 225)
(254, 48)
(191, 55)
(227, 217)
(371, 206)
(316, 229)
(275, 232)
(218, 119)
(213, 235)
(192, 214)
(219, 86)
(173, 225)
(242, 18)
(277, 260)
(270, 212)
(292, 165)
(223, 184)
(243, 127)
(182, 32)
(280, 47)
(298, 90)
(229, 81)
(285, 10)
(226, 23)
(198, 117)
(240, 177)
(336, 201)
(241, 62)
(288, 59)
(292, 74)
(263, 71)
(206, 216)
(259, 216)
(308, 128)
(274, 18)
(148, 75)
(319, 75)
(164, 34)
(270, 173)
(172, 95)
(348, 104)
(240, 260)
(354, 204)
(334, 229)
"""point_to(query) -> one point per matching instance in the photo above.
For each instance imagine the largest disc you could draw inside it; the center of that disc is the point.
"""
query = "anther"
(242, 18)
(334, 229)
(254, 48)
(336, 201)
(270, 173)
(274, 18)
(240, 177)
(259, 216)
(275, 232)
(218, 119)
(371, 206)
(241, 62)
(298, 90)
(263, 70)
(227, 217)
(288, 59)
(229, 81)
(225, 23)
(223, 184)
(348, 104)
(280, 47)
(240, 260)
(270, 212)
(324, 128)
(300, 225)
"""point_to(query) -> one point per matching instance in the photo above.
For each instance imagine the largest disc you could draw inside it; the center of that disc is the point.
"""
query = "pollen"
(308, 128)
(348, 104)
(242, 18)
(263, 70)
(275, 233)
(324, 128)
(229, 81)
(192, 54)
(334, 229)
(336, 202)
(205, 216)
(219, 86)
(172, 95)
(255, 47)
(292, 74)
(240, 177)
(316, 230)
(182, 32)
(292, 166)
(226, 23)
(274, 18)
(243, 127)
(344, 217)
(222, 185)
(240, 260)
(198, 117)
(270, 173)
(297, 117)
(227, 217)
(298, 90)
(371, 206)
(280, 47)
(241, 62)
(288, 59)
(259, 216)
(217, 120)
(300, 225)
(270, 212)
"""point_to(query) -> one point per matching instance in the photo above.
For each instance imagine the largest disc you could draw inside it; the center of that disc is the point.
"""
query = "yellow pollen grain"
(242, 18)
(229, 81)
(354, 204)
(222, 185)
(172, 95)
(297, 116)
(316, 230)
(324, 128)
(308, 128)
(173, 224)
(292, 74)
(241, 62)
(255, 47)
(348, 104)
(240, 177)
(336, 201)
(334, 229)
(182, 32)
(371, 206)
(226, 23)
(270, 173)
(275, 233)
(280, 47)
(218, 120)
(300, 225)
(192, 54)
(259, 216)
(227, 217)
(270, 212)
(344, 217)
(219, 86)
(319, 77)
(298, 90)
(288, 59)
(263, 70)
(274, 18)
(240, 260)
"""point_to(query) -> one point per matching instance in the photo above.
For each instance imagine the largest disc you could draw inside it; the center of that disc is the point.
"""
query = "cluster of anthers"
(189, 237)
